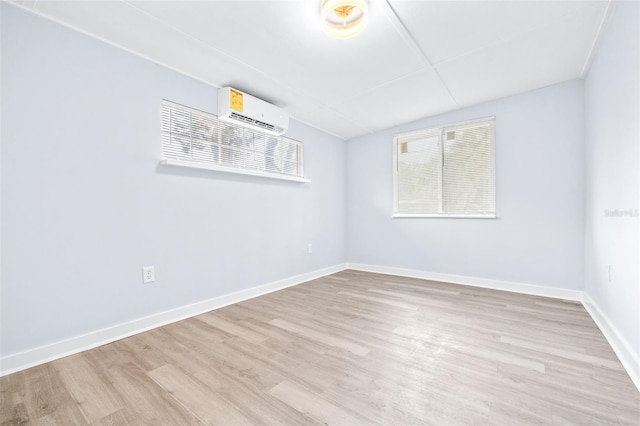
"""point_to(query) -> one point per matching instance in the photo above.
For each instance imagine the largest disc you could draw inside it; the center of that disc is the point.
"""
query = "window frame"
(167, 135)
(442, 130)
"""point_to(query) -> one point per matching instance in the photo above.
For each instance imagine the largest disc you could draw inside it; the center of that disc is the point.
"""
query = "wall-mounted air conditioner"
(240, 108)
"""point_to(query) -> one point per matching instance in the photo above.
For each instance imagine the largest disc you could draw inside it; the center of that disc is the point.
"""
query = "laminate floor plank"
(383, 300)
(290, 365)
(91, 389)
(15, 414)
(231, 327)
(279, 337)
(310, 404)
(352, 348)
(143, 350)
(45, 392)
(64, 415)
(326, 338)
(148, 402)
(207, 404)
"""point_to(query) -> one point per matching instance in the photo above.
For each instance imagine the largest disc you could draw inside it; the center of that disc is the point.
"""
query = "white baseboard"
(516, 287)
(30, 358)
(629, 358)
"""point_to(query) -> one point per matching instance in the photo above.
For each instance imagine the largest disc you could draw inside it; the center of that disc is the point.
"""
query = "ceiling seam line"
(404, 32)
(350, 120)
(453, 98)
(391, 13)
(596, 39)
(378, 86)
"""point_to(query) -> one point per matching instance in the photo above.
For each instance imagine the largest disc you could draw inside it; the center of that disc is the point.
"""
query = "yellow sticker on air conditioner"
(236, 100)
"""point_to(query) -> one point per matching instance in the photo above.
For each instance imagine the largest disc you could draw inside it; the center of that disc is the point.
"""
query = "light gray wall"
(85, 204)
(612, 95)
(538, 236)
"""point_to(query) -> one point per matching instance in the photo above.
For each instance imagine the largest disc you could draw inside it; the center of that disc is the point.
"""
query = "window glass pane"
(468, 177)
(419, 174)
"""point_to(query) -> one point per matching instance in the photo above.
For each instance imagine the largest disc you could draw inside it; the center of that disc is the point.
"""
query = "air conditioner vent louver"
(252, 121)
(243, 109)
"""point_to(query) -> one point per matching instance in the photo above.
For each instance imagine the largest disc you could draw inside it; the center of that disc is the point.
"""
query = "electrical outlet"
(309, 248)
(148, 274)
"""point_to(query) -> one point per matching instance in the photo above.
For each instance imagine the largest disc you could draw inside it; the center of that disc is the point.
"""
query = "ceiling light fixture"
(344, 18)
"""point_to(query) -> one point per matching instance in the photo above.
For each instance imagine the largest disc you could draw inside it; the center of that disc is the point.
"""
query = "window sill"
(260, 173)
(449, 216)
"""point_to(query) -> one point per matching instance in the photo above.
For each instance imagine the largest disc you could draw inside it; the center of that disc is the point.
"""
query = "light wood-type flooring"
(347, 349)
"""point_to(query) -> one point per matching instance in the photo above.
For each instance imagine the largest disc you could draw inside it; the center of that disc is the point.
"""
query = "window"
(446, 171)
(195, 138)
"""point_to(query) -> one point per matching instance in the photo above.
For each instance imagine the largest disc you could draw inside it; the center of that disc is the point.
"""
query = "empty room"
(320, 212)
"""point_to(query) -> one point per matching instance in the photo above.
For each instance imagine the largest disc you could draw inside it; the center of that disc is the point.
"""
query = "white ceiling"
(414, 59)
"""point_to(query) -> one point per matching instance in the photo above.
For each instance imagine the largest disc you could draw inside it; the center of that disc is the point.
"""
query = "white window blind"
(197, 139)
(446, 171)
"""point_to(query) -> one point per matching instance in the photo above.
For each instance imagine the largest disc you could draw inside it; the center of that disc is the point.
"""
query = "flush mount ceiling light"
(344, 18)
